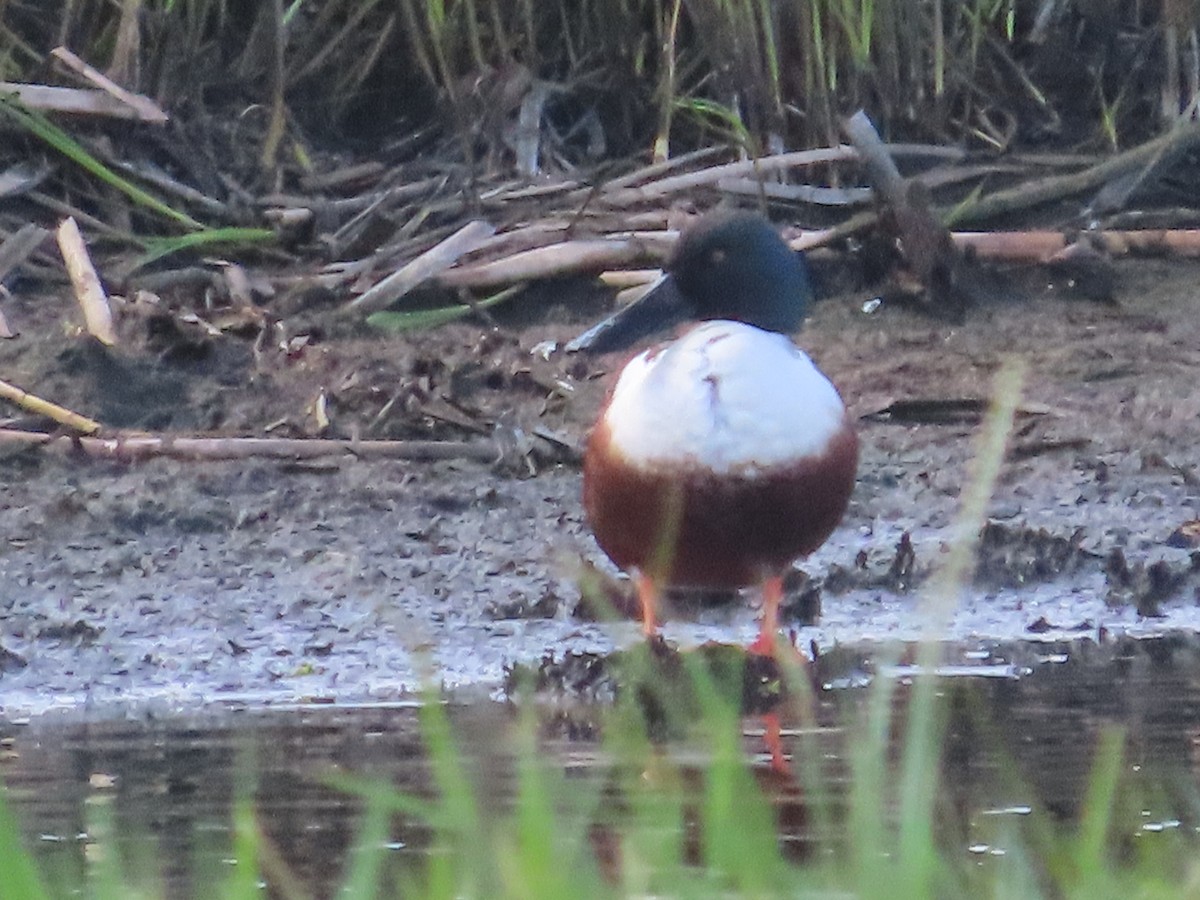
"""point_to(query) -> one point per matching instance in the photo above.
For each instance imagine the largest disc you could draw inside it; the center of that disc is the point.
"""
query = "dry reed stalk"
(627, 278)
(86, 283)
(566, 258)
(665, 187)
(433, 261)
(134, 447)
(1054, 187)
(36, 405)
(143, 107)
(1043, 246)
(77, 101)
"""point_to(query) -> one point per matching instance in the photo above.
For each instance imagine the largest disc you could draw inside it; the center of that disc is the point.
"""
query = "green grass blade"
(104, 871)
(41, 127)
(723, 117)
(648, 829)
(461, 833)
(22, 880)
(537, 867)
(244, 882)
(869, 794)
(390, 320)
(158, 248)
(1091, 857)
(395, 801)
(740, 842)
(368, 853)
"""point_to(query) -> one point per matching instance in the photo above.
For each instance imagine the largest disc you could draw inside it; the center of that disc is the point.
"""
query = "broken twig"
(1055, 187)
(92, 300)
(134, 447)
(424, 267)
(36, 405)
(144, 108)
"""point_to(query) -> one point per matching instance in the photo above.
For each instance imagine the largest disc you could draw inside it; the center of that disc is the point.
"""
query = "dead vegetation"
(252, 182)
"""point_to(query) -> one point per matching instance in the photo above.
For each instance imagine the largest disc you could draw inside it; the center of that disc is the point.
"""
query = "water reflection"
(1022, 729)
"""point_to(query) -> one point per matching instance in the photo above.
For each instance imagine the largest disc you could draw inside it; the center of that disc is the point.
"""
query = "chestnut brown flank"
(733, 530)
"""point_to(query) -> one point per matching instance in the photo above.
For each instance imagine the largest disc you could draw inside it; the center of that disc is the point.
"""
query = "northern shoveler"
(723, 456)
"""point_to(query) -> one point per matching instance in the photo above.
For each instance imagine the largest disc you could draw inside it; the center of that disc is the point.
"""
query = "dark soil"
(171, 585)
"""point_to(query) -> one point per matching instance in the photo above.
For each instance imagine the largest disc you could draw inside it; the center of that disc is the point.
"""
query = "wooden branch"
(86, 283)
(881, 170)
(611, 257)
(660, 169)
(1055, 187)
(424, 267)
(566, 258)
(626, 278)
(795, 193)
(136, 447)
(1043, 246)
(80, 101)
(665, 187)
(1011, 246)
(928, 255)
(1179, 242)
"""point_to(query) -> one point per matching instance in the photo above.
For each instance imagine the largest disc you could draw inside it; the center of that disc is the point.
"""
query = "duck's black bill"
(663, 305)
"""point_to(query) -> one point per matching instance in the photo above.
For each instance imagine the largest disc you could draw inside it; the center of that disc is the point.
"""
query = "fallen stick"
(795, 193)
(565, 258)
(86, 283)
(1178, 242)
(1041, 246)
(664, 187)
(136, 447)
(626, 278)
(36, 405)
(616, 194)
(424, 267)
(145, 108)
(78, 101)
(1055, 187)
(660, 169)
(929, 266)
(610, 256)
(1011, 246)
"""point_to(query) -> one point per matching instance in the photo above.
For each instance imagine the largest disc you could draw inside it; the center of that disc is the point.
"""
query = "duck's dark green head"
(736, 266)
(727, 265)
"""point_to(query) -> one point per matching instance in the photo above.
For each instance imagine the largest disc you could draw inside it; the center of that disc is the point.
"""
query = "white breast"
(726, 396)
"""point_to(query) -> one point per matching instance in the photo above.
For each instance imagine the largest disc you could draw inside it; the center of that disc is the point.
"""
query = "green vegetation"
(428, 318)
(695, 822)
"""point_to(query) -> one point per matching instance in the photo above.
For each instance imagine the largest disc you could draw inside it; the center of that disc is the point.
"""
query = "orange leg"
(647, 593)
(773, 738)
(772, 593)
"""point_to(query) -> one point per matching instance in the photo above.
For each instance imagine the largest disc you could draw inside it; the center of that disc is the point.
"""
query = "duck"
(722, 457)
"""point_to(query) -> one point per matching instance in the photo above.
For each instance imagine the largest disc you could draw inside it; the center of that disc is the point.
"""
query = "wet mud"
(170, 586)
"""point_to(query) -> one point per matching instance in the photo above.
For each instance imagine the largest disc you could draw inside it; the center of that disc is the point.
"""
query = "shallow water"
(1023, 725)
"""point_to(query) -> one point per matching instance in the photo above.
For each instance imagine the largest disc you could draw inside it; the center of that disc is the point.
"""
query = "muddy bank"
(171, 586)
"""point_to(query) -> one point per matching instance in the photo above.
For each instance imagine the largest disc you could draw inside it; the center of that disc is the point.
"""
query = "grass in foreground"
(695, 822)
